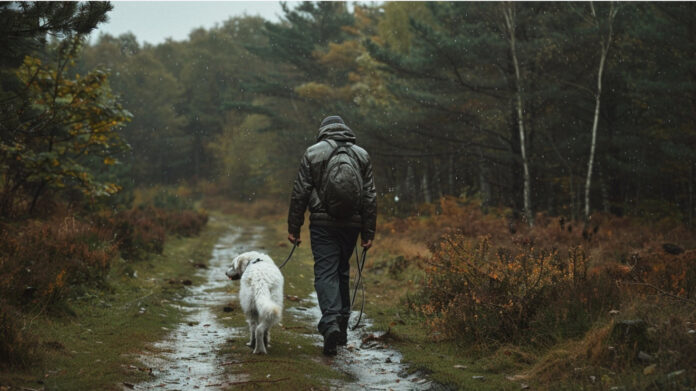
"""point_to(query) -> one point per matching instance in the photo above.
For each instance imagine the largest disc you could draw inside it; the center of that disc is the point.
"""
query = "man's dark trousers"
(332, 248)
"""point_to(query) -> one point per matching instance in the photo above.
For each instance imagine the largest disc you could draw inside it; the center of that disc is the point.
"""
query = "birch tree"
(605, 40)
(510, 26)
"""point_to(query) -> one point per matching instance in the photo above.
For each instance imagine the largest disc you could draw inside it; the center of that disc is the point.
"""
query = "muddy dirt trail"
(366, 358)
(188, 358)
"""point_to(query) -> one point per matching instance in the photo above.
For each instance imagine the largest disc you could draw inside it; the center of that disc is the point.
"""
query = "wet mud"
(367, 359)
(188, 357)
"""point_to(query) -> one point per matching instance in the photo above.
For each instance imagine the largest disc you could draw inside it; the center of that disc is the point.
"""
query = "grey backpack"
(342, 185)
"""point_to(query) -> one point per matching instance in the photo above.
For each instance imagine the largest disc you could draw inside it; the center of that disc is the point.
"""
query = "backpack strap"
(332, 143)
(335, 144)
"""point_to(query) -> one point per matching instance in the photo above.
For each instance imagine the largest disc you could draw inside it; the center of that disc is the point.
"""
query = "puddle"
(189, 358)
(372, 365)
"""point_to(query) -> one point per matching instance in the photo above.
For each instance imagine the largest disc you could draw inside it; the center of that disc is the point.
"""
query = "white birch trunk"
(598, 95)
(509, 14)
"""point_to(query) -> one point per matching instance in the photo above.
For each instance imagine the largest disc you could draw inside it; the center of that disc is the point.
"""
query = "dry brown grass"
(628, 270)
(405, 247)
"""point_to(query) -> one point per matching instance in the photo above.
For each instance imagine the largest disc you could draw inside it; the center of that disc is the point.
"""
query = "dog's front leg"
(260, 337)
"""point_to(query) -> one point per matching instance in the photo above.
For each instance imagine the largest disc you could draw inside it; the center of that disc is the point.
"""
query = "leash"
(360, 261)
(361, 264)
(294, 246)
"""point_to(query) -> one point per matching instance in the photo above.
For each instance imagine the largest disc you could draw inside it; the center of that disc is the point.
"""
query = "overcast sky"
(155, 21)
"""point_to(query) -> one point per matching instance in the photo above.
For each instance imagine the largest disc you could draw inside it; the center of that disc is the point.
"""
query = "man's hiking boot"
(343, 326)
(331, 341)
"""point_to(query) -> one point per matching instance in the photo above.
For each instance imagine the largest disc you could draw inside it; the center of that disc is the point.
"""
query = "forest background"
(441, 94)
(538, 112)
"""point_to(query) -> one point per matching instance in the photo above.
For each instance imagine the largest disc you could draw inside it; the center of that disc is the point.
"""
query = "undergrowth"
(603, 300)
(44, 261)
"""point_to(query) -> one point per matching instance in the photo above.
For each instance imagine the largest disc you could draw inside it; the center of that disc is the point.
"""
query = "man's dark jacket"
(308, 179)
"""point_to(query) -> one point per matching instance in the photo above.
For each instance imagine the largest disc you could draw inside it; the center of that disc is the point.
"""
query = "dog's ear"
(242, 263)
(235, 271)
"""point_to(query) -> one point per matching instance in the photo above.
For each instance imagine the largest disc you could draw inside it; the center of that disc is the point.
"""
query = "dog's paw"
(259, 351)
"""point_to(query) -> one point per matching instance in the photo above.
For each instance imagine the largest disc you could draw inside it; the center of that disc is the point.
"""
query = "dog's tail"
(268, 309)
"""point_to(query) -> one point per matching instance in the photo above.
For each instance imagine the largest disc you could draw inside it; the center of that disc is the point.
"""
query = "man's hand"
(366, 245)
(294, 239)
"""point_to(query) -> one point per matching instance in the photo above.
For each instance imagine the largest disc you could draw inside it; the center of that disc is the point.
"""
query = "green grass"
(96, 346)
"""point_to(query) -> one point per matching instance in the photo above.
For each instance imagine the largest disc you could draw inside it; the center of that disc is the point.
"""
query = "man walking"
(335, 182)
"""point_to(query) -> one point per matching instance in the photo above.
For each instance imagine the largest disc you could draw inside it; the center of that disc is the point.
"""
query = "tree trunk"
(410, 183)
(483, 183)
(550, 199)
(197, 145)
(37, 193)
(573, 198)
(571, 182)
(588, 179)
(603, 188)
(598, 95)
(509, 14)
(437, 179)
(450, 175)
(424, 185)
(691, 194)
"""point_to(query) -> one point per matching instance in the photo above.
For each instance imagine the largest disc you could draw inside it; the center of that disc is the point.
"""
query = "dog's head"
(239, 264)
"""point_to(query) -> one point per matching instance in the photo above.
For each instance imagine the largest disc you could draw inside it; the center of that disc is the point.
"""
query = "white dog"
(260, 295)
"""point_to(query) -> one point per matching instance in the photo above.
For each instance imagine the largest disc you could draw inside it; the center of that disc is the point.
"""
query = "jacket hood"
(337, 132)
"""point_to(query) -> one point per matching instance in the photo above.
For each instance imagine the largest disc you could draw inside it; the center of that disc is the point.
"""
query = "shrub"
(138, 233)
(142, 231)
(166, 200)
(654, 271)
(17, 347)
(39, 260)
(481, 297)
(253, 210)
(182, 222)
(450, 215)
